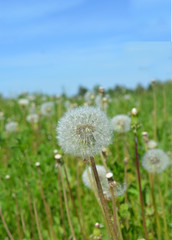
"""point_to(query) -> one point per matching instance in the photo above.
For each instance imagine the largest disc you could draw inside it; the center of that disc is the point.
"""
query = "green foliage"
(31, 143)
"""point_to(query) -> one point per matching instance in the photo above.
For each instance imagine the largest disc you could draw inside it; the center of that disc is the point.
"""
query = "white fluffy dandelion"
(155, 161)
(121, 123)
(11, 126)
(23, 102)
(32, 118)
(119, 188)
(84, 131)
(47, 108)
(151, 144)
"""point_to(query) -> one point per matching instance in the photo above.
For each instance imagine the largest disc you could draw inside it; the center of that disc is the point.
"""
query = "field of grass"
(33, 183)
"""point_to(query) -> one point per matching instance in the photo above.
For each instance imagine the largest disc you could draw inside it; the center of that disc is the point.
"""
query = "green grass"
(20, 150)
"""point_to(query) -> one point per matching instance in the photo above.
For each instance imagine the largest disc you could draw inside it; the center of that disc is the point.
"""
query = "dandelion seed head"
(119, 188)
(23, 102)
(121, 123)
(11, 126)
(47, 108)
(155, 161)
(102, 176)
(32, 118)
(84, 131)
(151, 144)
(37, 164)
(134, 111)
(7, 177)
(58, 156)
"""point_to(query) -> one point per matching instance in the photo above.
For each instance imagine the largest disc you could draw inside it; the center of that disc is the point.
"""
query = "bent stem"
(140, 189)
(5, 226)
(102, 199)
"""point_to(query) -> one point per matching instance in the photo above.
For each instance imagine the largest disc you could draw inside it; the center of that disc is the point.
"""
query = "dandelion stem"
(158, 227)
(102, 199)
(37, 221)
(93, 185)
(163, 209)
(67, 207)
(104, 162)
(140, 190)
(47, 208)
(164, 105)
(82, 225)
(73, 203)
(61, 204)
(30, 210)
(115, 215)
(126, 197)
(23, 222)
(5, 226)
(20, 235)
(154, 110)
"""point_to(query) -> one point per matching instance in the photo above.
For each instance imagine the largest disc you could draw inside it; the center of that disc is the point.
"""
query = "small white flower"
(134, 111)
(32, 118)
(37, 164)
(121, 123)
(11, 126)
(155, 161)
(7, 177)
(151, 144)
(23, 102)
(119, 189)
(47, 108)
(84, 131)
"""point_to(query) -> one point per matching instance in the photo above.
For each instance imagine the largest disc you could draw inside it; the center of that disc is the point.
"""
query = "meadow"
(43, 195)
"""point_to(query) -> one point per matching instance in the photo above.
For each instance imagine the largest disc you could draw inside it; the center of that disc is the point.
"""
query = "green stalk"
(140, 190)
(5, 226)
(61, 204)
(158, 227)
(67, 206)
(102, 199)
(154, 110)
(163, 209)
(37, 221)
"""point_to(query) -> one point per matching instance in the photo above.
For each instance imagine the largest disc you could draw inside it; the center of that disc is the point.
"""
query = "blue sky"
(60, 44)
